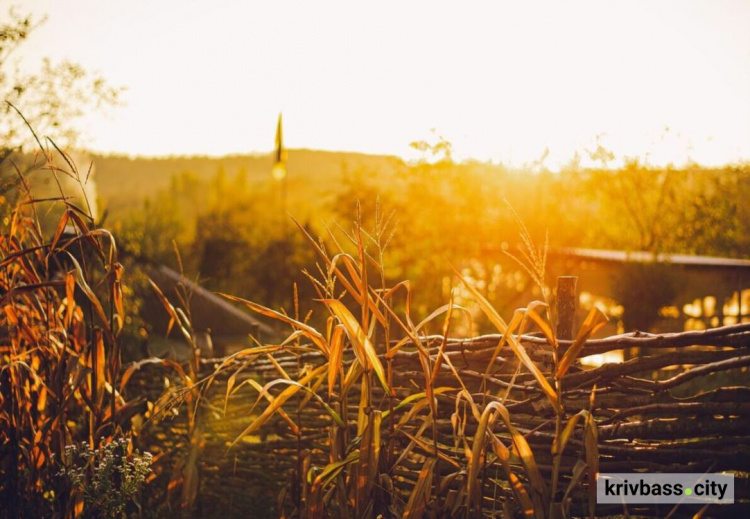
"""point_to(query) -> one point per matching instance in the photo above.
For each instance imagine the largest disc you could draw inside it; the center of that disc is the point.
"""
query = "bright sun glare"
(667, 82)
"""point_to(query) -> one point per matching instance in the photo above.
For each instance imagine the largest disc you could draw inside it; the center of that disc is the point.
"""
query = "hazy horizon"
(588, 164)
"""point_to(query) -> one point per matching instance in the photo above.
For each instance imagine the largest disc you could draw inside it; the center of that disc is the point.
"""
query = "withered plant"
(385, 434)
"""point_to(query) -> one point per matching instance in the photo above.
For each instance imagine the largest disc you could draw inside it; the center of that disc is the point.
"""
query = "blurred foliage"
(642, 289)
(230, 238)
(234, 233)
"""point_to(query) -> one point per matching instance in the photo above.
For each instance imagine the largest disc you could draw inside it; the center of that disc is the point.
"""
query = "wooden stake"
(567, 303)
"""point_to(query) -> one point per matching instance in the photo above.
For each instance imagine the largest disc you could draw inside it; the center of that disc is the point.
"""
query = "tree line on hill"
(235, 235)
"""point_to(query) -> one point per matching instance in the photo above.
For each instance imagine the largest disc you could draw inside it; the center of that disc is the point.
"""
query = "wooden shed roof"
(207, 309)
(685, 260)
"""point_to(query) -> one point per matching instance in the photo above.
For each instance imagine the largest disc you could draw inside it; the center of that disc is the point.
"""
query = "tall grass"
(379, 426)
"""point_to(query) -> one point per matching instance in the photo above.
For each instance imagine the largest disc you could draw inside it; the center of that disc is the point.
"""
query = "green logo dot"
(688, 491)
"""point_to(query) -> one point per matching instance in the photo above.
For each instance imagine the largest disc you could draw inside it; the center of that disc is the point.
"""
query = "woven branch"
(664, 424)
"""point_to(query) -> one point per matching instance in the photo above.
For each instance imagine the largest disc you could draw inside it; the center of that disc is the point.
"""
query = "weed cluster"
(109, 478)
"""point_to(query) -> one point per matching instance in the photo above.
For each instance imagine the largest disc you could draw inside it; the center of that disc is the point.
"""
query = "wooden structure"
(722, 282)
(229, 326)
(695, 420)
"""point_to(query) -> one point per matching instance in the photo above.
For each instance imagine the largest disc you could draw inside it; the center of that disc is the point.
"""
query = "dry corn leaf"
(594, 320)
(517, 348)
(336, 346)
(422, 491)
(310, 332)
(363, 347)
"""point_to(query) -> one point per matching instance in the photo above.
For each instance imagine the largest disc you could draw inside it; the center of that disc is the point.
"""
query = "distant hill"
(124, 182)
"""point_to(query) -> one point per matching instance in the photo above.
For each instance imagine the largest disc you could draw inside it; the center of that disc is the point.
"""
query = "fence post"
(567, 302)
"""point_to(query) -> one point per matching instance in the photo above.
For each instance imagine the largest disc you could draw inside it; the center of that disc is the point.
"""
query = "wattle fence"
(681, 403)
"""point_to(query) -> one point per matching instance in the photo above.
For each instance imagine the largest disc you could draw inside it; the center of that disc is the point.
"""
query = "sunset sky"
(666, 81)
